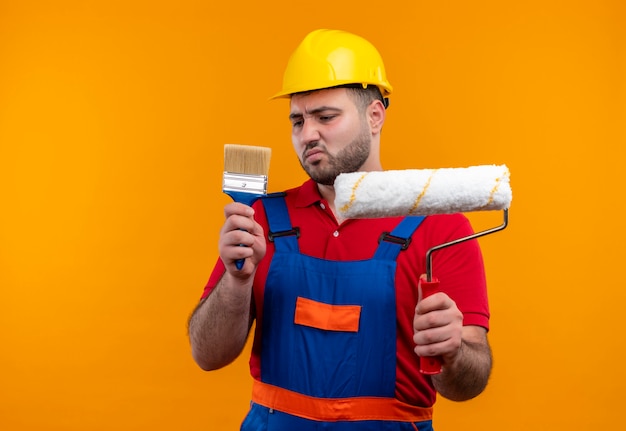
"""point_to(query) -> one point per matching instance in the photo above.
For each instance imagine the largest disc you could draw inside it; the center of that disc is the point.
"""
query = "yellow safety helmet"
(331, 58)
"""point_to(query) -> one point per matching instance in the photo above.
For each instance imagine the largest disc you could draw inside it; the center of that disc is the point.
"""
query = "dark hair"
(363, 97)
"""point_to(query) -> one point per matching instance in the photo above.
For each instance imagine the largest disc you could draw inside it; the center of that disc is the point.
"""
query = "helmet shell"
(330, 58)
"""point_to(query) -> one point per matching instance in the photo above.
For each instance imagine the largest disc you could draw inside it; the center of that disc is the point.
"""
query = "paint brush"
(245, 174)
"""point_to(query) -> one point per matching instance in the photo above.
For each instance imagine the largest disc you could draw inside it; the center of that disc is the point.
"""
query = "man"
(340, 323)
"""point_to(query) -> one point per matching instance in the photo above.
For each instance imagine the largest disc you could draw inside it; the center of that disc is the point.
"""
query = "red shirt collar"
(308, 194)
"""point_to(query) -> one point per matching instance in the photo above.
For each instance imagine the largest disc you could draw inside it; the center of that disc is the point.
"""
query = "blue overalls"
(331, 326)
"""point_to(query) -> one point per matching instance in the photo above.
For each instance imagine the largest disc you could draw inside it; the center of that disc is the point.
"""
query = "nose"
(309, 132)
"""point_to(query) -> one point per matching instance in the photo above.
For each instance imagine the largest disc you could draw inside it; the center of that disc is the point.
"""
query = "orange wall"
(113, 117)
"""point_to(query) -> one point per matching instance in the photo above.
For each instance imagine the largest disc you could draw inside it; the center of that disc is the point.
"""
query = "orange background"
(113, 117)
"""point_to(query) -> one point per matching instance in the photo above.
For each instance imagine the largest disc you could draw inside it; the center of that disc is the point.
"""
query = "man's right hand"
(241, 237)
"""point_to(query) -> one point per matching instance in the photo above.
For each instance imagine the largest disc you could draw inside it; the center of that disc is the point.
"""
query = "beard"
(349, 159)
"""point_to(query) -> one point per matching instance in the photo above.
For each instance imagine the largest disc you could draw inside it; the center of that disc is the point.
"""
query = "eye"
(326, 118)
(296, 123)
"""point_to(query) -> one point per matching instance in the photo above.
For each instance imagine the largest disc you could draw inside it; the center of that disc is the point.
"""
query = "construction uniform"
(333, 343)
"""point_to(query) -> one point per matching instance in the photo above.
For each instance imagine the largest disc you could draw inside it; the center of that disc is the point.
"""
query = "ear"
(376, 116)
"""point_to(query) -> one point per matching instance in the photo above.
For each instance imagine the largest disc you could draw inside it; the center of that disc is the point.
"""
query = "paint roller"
(426, 192)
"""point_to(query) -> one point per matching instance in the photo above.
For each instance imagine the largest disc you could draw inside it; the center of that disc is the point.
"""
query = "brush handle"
(247, 199)
(244, 198)
(429, 364)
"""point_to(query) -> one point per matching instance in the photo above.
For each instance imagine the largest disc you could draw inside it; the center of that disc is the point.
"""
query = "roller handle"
(429, 365)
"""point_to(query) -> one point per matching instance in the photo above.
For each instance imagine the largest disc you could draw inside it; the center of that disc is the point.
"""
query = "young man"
(340, 323)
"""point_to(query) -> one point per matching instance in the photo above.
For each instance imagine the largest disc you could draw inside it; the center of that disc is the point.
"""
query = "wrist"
(234, 291)
(451, 359)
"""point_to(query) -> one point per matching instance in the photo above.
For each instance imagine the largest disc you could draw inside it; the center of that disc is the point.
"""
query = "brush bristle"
(247, 159)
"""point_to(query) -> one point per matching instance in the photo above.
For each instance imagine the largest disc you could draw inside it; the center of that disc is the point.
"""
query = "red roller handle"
(429, 364)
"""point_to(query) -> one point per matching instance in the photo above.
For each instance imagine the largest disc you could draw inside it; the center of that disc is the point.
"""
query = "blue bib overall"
(328, 356)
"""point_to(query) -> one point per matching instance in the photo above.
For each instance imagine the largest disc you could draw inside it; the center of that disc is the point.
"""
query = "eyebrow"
(315, 111)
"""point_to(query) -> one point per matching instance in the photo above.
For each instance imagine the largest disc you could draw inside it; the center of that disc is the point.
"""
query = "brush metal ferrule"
(244, 183)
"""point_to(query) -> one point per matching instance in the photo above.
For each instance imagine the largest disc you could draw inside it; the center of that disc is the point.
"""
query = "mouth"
(313, 155)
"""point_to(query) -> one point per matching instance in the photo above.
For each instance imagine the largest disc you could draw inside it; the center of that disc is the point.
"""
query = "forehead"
(333, 98)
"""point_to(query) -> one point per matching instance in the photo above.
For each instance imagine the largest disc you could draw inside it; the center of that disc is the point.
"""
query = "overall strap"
(281, 233)
(390, 244)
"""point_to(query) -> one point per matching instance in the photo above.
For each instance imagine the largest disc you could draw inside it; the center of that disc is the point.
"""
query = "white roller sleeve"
(422, 191)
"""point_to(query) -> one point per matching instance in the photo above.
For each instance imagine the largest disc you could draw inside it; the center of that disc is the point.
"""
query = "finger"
(443, 344)
(237, 252)
(237, 208)
(238, 237)
(431, 319)
(237, 222)
(435, 302)
(435, 349)
(432, 336)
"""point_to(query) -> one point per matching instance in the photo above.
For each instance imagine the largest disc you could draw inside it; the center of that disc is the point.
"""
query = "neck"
(328, 192)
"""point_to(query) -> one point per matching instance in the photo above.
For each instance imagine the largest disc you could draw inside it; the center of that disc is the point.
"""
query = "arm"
(464, 350)
(219, 326)
(466, 375)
